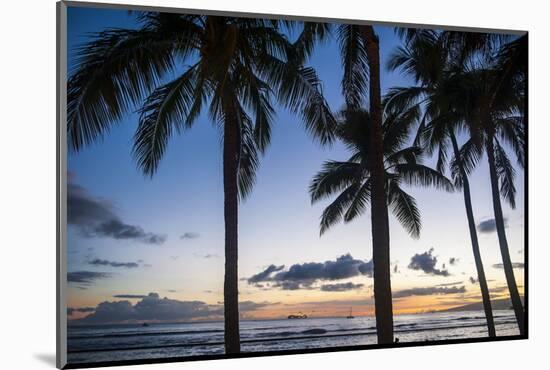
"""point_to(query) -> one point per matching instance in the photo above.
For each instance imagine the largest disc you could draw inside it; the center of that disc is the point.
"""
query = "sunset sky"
(138, 239)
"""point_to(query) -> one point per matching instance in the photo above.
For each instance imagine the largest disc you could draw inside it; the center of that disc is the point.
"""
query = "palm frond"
(334, 212)
(470, 154)
(359, 203)
(506, 175)
(333, 177)
(421, 175)
(404, 208)
(249, 161)
(112, 73)
(299, 89)
(511, 130)
(355, 63)
(312, 34)
(166, 108)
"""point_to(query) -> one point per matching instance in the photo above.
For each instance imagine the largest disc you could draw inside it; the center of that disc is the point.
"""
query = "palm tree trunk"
(230, 288)
(379, 208)
(499, 221)
(475, 244)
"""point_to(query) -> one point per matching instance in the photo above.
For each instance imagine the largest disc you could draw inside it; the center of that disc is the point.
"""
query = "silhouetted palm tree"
(485, 95)
(497, 99)
(427, 57)
(176, 66)
(351, 181)
(360, 53)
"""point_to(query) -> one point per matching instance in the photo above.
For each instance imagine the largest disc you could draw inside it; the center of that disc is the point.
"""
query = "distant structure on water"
(350, 316)
(298, 316)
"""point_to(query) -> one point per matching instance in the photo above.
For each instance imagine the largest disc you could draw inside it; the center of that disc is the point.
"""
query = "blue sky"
(277, 225)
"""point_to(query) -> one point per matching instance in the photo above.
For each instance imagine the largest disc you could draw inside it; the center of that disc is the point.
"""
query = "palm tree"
(427, 58)
(351, 181)
(487, 98)
(360, 53)
(233, 67)
(498, 96)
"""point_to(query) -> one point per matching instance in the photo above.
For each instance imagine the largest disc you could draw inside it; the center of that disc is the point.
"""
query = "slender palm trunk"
(230, 288)
(379, 209)
(475, 244)
(499, 220)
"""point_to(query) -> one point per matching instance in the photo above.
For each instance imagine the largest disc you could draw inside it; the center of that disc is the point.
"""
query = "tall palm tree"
(351, 182)
(427, 57)
(498, 99)
(173, 67)
(487, 98)
(360, 53)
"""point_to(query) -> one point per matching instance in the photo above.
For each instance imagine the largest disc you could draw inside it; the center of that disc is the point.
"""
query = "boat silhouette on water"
(298, 316)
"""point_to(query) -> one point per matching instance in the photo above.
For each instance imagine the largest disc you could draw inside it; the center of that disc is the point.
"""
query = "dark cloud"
(190, 235)
(130, 296)
(516, 265)
(153, 308)
(72, 310)
(489, 226)
(451, 284)
(303, 276)
(84, 279)
(453, 261)
(100, 262)
(264, 275)
(95, 217)
(294, 285)
(150, 308)
(341, 287)
(247, 306)
(428, 291)
(426, 262)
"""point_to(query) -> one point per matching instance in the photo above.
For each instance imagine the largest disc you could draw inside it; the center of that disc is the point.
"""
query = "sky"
(144, 248)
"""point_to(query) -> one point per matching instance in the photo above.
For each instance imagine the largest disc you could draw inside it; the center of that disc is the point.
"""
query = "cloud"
(130, 296)
(247, 306)
(190, 235)
(453, 261)
(303, 276)
(451, 284)
(150, 308)
(426, 262)
(84, 279)
(96, 218)
(72, 310)
(100, 262)
(473, 280)
(428, 291)
(516, 265)
(489, 226)
(341, 287)
(153, 308)
(207, 255)
(116, 229)
(264, 275)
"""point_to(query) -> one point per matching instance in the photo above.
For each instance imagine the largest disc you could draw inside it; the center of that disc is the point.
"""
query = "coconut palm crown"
(350, 181)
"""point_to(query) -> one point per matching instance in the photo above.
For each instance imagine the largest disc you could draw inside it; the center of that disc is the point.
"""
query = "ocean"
(88, 344)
